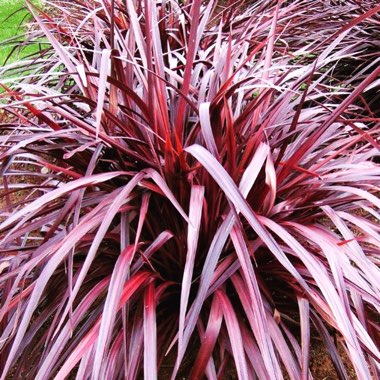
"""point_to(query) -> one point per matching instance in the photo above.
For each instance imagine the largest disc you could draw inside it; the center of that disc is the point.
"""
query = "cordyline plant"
(191, 190)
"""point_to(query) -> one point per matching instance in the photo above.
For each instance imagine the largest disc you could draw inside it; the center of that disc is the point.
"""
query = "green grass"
(13, 16)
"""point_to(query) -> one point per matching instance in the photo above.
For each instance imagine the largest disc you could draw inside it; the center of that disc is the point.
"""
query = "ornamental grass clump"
(191, 190)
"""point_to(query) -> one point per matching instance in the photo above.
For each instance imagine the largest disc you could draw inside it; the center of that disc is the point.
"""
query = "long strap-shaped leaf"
(195, 215)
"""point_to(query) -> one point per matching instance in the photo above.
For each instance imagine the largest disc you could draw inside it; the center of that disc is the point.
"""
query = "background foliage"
(12, 17)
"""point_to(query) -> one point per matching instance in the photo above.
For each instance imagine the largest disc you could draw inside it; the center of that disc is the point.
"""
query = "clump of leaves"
(196, 200)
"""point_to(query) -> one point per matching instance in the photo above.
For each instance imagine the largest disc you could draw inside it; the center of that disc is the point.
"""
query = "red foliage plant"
(191, 190)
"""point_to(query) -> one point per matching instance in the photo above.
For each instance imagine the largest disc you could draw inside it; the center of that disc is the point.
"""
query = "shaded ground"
(321, 365)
